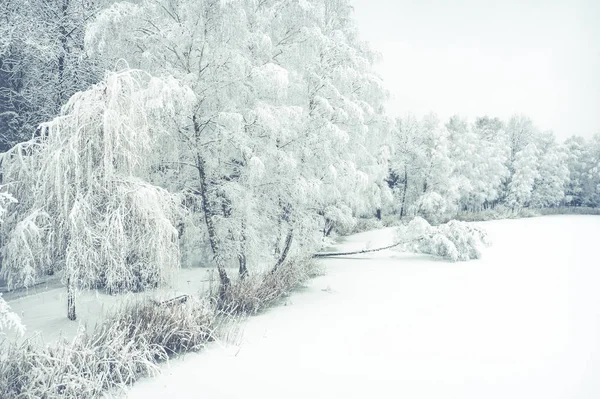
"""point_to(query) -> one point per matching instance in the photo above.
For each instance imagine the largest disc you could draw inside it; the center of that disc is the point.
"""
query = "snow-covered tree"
(464, 151)
(42, 62)
(86, 207)
(493, 154)
(575, 148)
(549, 187)
(590, 173)
(288, 122)
(421, 168)
(406, 163)
(521, 185)
(520, 132)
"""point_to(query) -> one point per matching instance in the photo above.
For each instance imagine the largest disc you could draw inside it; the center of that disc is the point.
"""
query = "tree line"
(443, 169)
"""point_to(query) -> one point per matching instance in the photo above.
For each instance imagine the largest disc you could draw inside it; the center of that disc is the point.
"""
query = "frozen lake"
(523, 322)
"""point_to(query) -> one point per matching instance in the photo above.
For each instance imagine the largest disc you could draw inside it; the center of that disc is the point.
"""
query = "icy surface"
(523, 322)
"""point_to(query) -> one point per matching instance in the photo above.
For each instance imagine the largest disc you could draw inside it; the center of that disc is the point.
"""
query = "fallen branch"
(364, 251)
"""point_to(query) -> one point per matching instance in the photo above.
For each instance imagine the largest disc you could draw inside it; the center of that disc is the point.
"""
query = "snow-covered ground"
(523, 322)
(43, 309)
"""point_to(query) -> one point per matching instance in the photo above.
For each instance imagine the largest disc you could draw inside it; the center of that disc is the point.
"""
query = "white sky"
(494, 57)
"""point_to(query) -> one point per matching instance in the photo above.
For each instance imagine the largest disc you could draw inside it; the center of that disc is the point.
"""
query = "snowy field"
(523, 322)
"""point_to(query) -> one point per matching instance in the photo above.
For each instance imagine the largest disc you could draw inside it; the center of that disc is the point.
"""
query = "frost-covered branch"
(8, 319)
(88, 209)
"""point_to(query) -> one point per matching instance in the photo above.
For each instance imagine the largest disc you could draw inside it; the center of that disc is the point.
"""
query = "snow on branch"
(87, 206)
(455, 241)
(8, 319)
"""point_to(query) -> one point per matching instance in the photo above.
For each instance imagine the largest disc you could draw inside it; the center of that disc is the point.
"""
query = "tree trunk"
(208, 218)
(242, 254)
(403, 205)
(212, 231)
(286, 249)
(243, 267)
(328, 228)
(71, 300)
(62, 55)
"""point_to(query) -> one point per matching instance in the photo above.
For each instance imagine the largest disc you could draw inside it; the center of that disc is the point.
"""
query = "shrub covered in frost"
(131, 344)
(499, 212)
(456, 241)
(364, 224)
(118, 352)
(258, 292)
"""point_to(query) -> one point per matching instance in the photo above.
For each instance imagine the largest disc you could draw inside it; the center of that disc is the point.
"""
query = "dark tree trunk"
(378, 214)
(288, 243)
(403, 205)
(243, 266)
(71, 300)
(328, 228)
(212, 231)
(242, 254)
(208, 218)
(62, 55)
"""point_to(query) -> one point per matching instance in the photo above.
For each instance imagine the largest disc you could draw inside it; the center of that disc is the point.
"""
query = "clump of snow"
(455, 240)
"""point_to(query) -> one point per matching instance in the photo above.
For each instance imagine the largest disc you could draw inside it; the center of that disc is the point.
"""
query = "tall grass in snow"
(123, 349)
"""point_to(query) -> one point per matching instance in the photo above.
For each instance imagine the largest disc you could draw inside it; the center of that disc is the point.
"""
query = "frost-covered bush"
(131, 344)
(258, 292)
(123, 349)
(499, 212)
(363, 224)
(455, 240)
(570, 211)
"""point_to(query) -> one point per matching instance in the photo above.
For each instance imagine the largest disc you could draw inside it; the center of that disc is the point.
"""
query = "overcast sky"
(494, 57)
